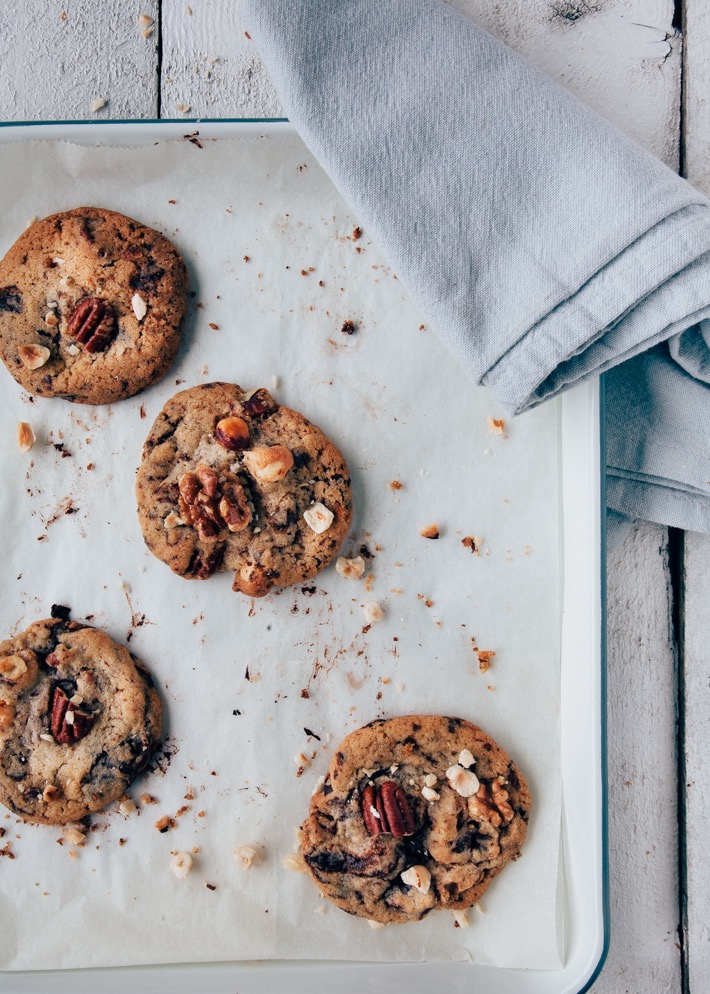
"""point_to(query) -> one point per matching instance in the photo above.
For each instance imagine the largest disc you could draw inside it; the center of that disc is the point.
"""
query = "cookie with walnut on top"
(91, 304)
(231, 480)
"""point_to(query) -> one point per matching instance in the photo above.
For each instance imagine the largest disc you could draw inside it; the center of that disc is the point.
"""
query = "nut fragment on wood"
(25, 436)
(97, 104)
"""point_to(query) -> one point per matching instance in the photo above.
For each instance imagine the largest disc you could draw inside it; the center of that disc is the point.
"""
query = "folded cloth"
(542, 245)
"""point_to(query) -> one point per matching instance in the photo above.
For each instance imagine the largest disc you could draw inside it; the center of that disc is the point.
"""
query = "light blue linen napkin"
(543, 245)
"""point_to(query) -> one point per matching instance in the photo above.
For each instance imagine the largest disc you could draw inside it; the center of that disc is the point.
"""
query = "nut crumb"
(97, 104)
(74, 837)
(464, 782)
(460, 919)
(140, 308)
(295, 863)
(374, 924)
(395, 485)
(497, 425)
(318, 518)
(485, 658)
(25, 436)
(348, 327)
(418, 877)
(33, 356)
(353, 569)
(164, 823)
(181, 864)
(182, 108)
(247, 856)
(148, 799)
(373, 612)
(127, 806)
(430, 531)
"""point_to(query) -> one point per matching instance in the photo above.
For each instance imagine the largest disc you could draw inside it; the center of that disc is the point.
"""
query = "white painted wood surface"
(624, 58)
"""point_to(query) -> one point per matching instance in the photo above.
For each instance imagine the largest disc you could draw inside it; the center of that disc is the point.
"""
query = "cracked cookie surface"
(91, 304)
(79, 719)
(231, 480)
(417, 813)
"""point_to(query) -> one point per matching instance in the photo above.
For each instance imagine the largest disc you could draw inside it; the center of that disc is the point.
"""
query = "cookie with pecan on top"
(79, 719)
(91, 304)
(416, 814)
(231, 480)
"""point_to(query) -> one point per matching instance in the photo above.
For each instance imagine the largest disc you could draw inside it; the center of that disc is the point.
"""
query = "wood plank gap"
(679, 25)
(676, 569)
(159, 56)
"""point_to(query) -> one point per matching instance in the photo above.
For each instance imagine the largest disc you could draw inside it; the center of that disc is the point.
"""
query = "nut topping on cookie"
(93, 324)
(12, 668)
(259, 403)
(33, 356)
(387, 810)
(209, 507)
(269, 463)
(464, 782)
(232, 434)
(67, 724)
(417, 876)
(7, 715)
(318, 518)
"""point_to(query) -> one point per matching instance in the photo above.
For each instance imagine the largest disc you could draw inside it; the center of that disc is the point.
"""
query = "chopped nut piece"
(74, 837)
(51, 319)
(318, 786)
(429, 795)
(466, 758)
(373, 612)
(140, 308)
(12, 668)
(497, 425)
(232, 434)
(73, 349)
(181, 864)
(144, 21)
(485, 659)
(46, 737)
(173, 520)
(97, 103)
(148, 799)
(183, 108)
(395, 485)
(50, 792)
(350, 568)
(430, 780)
(318, 518)
(295, 863)
(417, 876)
(127, 806)
(373, 924)
(430, 531)
(460, 919)
(33, 356)
(246, 856)
(270, 464)
(472, 543)
(164, 823)
(464, 782)
(7, 715)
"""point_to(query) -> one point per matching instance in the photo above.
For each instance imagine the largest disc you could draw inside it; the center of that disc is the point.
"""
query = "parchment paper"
(232, 672)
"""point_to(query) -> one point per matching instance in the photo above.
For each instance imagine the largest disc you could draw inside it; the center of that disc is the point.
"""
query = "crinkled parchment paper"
(275, 271)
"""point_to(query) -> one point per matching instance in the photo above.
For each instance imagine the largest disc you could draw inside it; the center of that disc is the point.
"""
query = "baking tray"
(582, 717)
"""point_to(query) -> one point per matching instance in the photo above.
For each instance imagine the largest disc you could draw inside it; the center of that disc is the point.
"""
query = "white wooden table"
(645, 64)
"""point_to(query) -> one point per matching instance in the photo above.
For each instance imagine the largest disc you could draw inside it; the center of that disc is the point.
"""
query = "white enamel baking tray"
(582, 724)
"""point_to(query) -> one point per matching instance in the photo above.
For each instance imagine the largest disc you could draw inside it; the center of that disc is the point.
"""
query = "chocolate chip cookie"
(230, 480)
(79, 719)
(91, 304)
(416, 814)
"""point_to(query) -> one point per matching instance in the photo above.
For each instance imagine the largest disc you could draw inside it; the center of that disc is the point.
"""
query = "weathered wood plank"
(697, 556)
(643, 955)
(58, 56)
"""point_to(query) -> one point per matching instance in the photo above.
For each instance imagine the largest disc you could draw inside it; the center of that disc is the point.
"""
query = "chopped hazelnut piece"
(12, 668)
(350, 568)
(270, 464)
(246, 856)
(164, 823)
(430, 531)
(417, 876)
(127, 806)
(33, 356)
(430, 780)
(460, 919)
(232, 434)
(318, 518)
(497, 425)
(50, 792)
(181, 864)
(429, 795)
(466, 758)
(373, 612)
(295, 863)
(373, 924)
(140, 308)
(74, 837)
(51, 319)
(97, 103)
(464, 782)
(144, 21)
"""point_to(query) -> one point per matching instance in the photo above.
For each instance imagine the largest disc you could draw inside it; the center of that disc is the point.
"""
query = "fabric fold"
(542, 245)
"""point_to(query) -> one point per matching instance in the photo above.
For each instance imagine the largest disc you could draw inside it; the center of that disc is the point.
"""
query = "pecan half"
(394, 814)
(259, 403)
(93, 324)
(208, 506)
(67, 723)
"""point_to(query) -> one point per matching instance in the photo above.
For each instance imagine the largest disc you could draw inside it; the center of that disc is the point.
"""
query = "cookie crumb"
(373, 612)
(395, 485)
(348, 327)
(164, 823)
(430, 531)
(295, 863)
(127, 806)
(472, 543)
(74, 837)
(211, 886)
